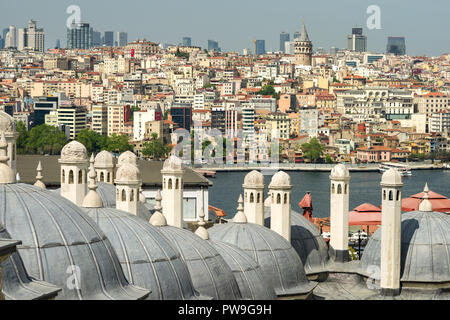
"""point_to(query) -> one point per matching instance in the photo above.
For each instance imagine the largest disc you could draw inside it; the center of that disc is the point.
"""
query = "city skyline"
(252, 20)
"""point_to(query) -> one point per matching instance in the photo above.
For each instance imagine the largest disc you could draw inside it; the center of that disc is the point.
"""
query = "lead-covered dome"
(425, 249)
(210, 273)
(249, 276)
(147, 257)
(73, 152)
(104, 160)
(280, 263)
(307, 241)
(61, 245)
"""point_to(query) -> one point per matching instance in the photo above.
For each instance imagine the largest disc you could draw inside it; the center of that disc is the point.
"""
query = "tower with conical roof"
(303, 48)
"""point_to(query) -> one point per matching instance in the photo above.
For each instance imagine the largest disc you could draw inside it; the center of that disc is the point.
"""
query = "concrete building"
(73, 117)
(357, 41)
(11, 38)
(108, 39)
(122, 39)
(100, 119)
(141, 118)
(118, 115)
(284, 37)
(79, 36)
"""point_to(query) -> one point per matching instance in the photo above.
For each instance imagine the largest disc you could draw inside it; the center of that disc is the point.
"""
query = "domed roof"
(307, 241)
(252, 283)
(425, 248)
(127, 157)
(254, 179)
(172, 164)
(74, 152)
(391, 177)
(280, 263)
(340, 171)
(280, 179)
(210, 273)
(128, 173)
(7, 123)
(16, 283)
(104, 159)
(58, 237)
(147, 257)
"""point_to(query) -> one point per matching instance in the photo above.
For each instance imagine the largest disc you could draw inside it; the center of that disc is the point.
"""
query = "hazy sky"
(235, 23)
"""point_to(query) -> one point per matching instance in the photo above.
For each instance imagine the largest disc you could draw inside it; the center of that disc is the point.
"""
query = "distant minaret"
(391, 231)
(339, 203)
(303, 48)
(254, 197)
(280, 207)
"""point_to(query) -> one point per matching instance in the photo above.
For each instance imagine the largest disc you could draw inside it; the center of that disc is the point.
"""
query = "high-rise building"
(187, 41)
(122, 39)
(58, 44)
(357, 41)
(2, 42)
(11, 38)
(97, 39)
(109, 39)
(260, 47)
(21, 39)
(79, 36)
(284, 37)
(296, 35)
(213, 45)
(396, 45)
(303, 48)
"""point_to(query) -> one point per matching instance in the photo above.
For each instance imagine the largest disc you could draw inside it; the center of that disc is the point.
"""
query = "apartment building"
(100, 119)
(118, 116)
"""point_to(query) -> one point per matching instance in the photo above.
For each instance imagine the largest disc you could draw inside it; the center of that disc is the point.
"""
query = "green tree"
(269, 90)
(312, 150)
(118, 143)
(21, 142)
(182, 54)
(329, 159)
(93, 141)
(45, 139)
(132, 110)
(155, 148)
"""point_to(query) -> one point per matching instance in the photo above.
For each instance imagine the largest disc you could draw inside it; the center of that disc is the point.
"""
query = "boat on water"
(402, 168)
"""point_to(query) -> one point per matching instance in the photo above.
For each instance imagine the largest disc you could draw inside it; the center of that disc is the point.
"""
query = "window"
(124, 195)
(391, 196)
(170, 184)
(285, 198)
(102, 177)
(71, 177)
(258, 198)
(278, 198)
(132, 195)
(80, 177)
(332, 188)
(252, 198)
(339, 189)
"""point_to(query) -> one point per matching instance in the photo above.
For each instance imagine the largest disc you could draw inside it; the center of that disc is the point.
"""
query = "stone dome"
(17, 284)
(252, 283)
(425, 249)
(280, 263)
(210, 273)
(280, 179)
(173, 164)
(340, 171)
(7, 124)
(74, 152)
(147, 257)
(59, 238)
(391, 178)
(127, 157)
(128, 173)
(307, 241)
(254, 179)
(104, 160)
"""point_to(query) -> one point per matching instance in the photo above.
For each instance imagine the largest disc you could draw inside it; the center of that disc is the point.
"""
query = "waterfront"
(364, 187)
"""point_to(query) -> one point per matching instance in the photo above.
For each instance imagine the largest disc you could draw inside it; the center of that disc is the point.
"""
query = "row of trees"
(45, 139)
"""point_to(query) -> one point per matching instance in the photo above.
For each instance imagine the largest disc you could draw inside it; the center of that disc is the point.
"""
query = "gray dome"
(107, 193)
(307, 241)
(209, 272)
(425, 248)
(280, 263)
(147, 257)
(57, 239)
(252, 283)
(17, 285)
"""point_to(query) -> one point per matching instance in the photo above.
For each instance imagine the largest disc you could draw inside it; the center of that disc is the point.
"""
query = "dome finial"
(240, 216)
(39, 177)
(92, 199)
(158, 219)
(201, 230)
(425, 205)
(6, 173)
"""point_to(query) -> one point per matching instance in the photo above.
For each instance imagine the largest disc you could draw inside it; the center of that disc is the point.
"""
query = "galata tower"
(303, 48)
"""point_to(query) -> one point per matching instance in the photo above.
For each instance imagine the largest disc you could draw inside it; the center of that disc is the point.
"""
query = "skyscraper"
(396, 45)
(122, 39)
(296, 35)
(213, 45)
(97, 39)
(34, 37)
(260, 47)
(21, 39)
(357, 41)
(79, 36)
(109, 39)
(2, 42)
(58, 44)
(11, 37)
(187, 41)
(284, 37)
